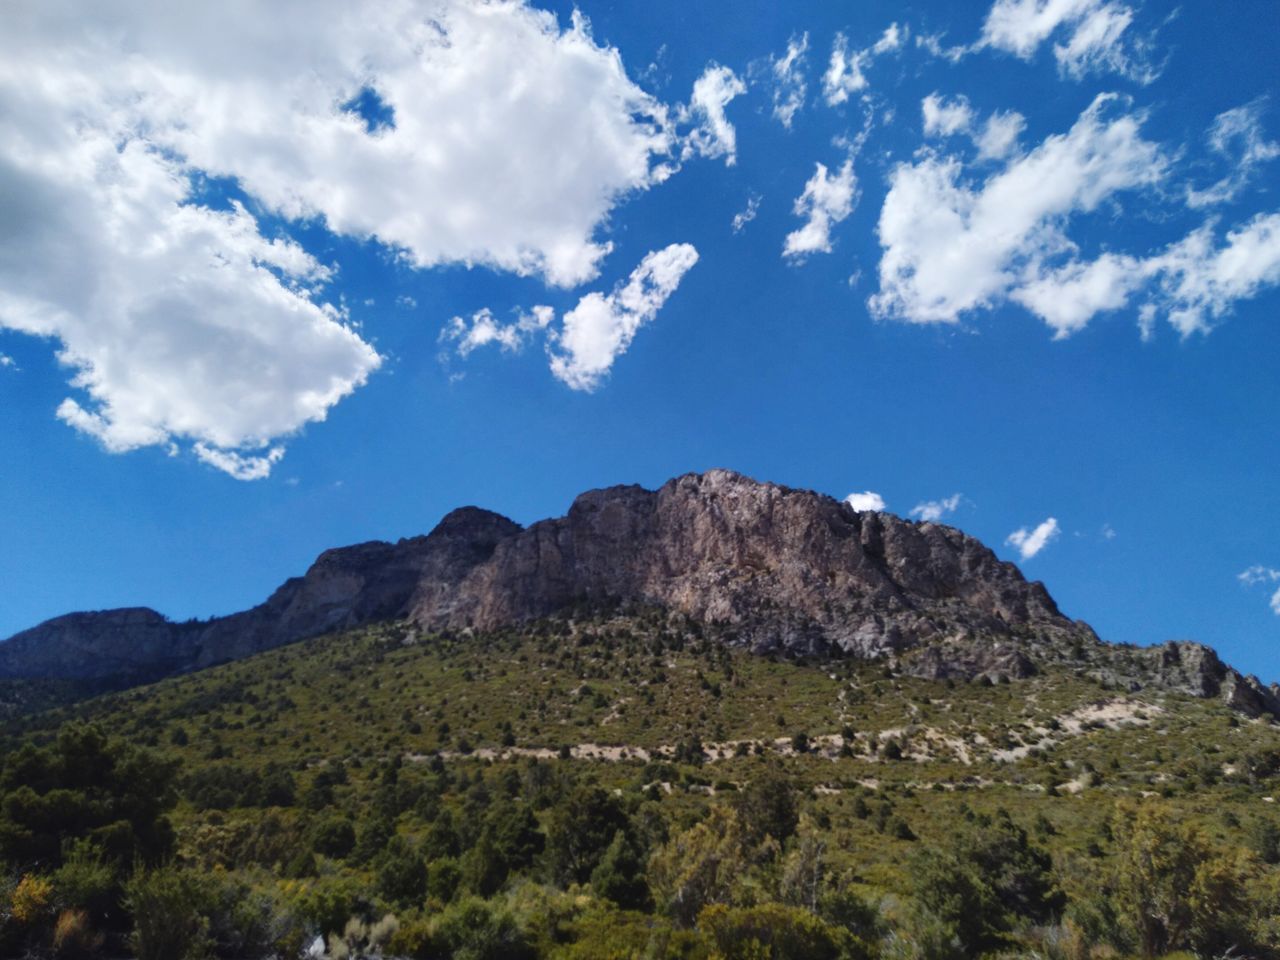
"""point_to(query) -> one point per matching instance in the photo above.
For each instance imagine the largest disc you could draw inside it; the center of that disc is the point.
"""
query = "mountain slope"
(759, 565)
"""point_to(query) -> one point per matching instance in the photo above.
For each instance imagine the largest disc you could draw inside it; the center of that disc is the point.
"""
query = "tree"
(987, 879)
(1173, 887)
(767, 807)
(581, 829)
(84, 786)
(619, 876)
(700, 866)
(402, 874)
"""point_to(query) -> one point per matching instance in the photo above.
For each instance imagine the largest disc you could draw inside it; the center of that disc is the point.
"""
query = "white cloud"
(1237, 136)
(827, 199)
(945, 117)
(865, 501)
(7, 362)
(891, 40)
(435, 128)
(934, 510)
(438, 129)
(1260, 574)
(714, 135)
(846, 69)
(844, 74)
(949, 247)
(789, 85)
(1097, 35)
(1068, 298)
(483, 329)
(999, 137)
(600, 328)
(1031, 542)
(1199, 283)
(932, 44)
(240, 466)
(951, 116)
(745, 216)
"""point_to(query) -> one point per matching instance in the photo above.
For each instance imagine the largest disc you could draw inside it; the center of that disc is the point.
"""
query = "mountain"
(758, 565)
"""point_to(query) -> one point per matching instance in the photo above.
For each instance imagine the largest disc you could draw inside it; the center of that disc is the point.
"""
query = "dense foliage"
(630, 789)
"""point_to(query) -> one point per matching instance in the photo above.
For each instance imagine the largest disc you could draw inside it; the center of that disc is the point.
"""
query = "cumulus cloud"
(713, 135)
(789, 84)
(437, 129)
(1260, 574)
(601, 327)
(746, 215)
(934, 510)
(944, 117)
(950, 247)
(1096, 35)
(846, 69)
(1031, 542)
(7, 362)
(482, 329)
(1237, 136)
(827, 199)
(866, 501)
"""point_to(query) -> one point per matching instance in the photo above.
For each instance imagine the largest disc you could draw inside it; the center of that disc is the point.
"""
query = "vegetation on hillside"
(625, 787)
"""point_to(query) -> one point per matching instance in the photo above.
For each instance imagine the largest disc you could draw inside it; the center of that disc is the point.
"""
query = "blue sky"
(268, 284)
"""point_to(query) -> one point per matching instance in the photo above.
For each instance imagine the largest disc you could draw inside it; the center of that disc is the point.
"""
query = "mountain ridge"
(769, 567)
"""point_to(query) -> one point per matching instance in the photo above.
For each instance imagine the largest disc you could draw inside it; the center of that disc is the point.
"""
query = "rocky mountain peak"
(761, 565)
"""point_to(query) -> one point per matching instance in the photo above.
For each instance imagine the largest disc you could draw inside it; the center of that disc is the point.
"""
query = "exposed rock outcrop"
(765, 566)
(777, 568)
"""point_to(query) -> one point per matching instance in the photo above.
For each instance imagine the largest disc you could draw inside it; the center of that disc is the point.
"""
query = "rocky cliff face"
(769, 567)
(774, 568)
(344, 588)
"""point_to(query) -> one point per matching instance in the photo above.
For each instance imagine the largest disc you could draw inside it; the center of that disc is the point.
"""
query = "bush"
(74, 936)
(443, 878)
(168, 906)
(32, 900)
(87, 883)
(772, 931)
(472, 929)
(334, 837)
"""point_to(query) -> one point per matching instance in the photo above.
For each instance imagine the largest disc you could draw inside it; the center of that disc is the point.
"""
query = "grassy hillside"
(627, 787)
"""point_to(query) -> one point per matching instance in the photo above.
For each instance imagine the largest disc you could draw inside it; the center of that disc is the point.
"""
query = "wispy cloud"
(1096, 36)
(748, 213)
(1259, 574)
(1237, 137)
(482, 329)
(934, 510)
(846, 69)
(786, 74)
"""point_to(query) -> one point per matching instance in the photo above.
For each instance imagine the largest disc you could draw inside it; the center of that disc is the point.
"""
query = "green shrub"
(169, 909)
